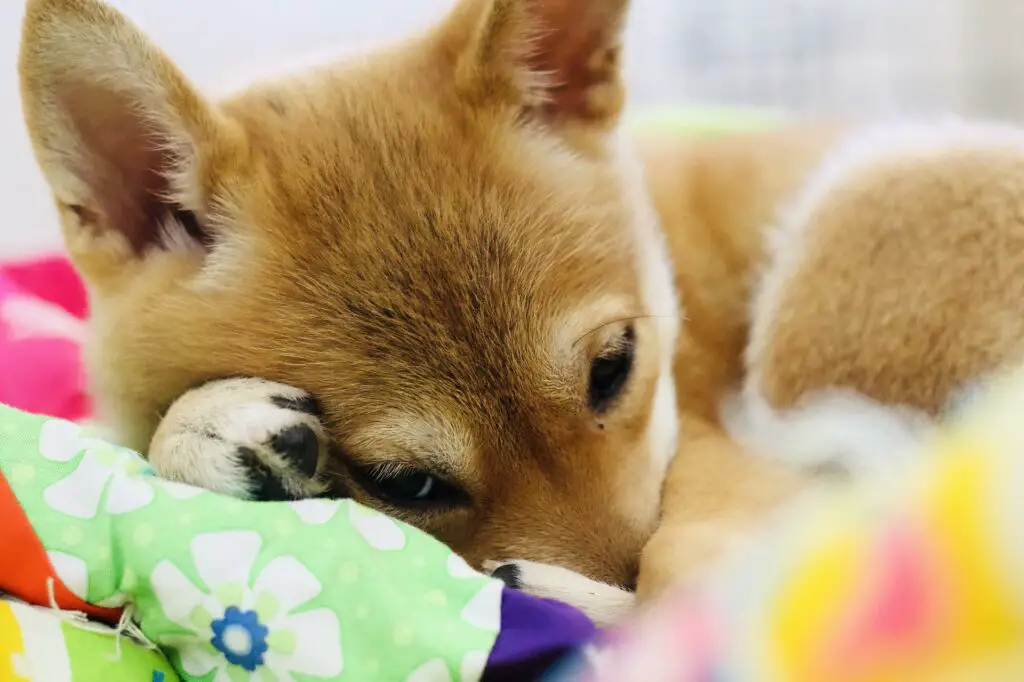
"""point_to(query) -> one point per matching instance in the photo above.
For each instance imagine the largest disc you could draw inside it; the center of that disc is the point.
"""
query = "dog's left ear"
(557, 60)
(129, 147)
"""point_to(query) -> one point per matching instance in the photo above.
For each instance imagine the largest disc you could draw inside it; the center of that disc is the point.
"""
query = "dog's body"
(450, 247)
(874, 291)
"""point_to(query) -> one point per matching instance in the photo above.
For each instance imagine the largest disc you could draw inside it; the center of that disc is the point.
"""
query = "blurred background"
(860, 57)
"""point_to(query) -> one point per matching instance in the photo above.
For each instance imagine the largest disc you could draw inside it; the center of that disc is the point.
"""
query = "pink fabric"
(42, 325)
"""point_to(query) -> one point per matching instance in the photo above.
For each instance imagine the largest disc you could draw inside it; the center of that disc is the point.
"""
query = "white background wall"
(861, 57)
(222, 43)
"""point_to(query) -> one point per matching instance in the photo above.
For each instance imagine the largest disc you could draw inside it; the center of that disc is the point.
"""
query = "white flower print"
(74, 574)
(243, 626)
(473, 664)
(127, 478)
(72, 571)
(315, 512)
(380, 531)
(436, 670)
(431, 671)
(484, 610)
(101, 467)
(458, 568)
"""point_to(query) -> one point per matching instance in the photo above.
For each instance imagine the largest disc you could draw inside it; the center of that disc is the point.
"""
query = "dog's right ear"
(126, 143)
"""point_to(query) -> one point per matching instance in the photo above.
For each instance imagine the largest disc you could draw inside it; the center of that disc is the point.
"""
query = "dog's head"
(442, 240)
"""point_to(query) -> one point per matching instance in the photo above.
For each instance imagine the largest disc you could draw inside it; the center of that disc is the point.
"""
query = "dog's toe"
(263, 483)
(604, 604)
(298, 446)
(246, 437)
(509, 574)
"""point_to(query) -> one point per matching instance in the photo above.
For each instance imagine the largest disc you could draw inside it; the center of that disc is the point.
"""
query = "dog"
(444, 281)
(446, 243)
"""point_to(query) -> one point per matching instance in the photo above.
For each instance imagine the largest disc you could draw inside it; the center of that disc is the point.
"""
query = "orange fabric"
(25, 568)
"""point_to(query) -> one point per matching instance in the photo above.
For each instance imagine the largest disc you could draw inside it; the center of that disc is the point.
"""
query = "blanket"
(118, 574)
(42, 326)
(181, 583)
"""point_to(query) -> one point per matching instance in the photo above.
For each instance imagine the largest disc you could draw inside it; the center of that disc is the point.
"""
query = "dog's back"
(881, 285)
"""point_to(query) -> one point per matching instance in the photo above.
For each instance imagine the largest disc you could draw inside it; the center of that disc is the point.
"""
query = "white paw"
(602, 603)
(243, 437)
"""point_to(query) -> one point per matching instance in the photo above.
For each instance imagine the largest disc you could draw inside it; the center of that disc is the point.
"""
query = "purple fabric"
(535, 634)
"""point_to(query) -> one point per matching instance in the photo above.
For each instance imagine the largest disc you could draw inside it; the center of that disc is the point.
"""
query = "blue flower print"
(241, 637)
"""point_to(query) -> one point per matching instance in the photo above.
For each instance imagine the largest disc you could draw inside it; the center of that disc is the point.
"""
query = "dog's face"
(441, 241)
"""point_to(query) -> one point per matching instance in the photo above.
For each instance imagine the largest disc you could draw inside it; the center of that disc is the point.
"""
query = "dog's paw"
(604, 604)
(248, 438)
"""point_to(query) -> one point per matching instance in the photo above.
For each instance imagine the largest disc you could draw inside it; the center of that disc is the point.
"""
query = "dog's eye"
(610, 371)
(406, 487)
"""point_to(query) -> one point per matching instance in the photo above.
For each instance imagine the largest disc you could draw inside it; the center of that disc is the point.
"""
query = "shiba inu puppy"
(446, 243)
(518, 324)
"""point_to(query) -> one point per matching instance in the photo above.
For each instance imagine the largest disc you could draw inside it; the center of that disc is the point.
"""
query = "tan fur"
(437, 241)
(715, 195)
(941, 242)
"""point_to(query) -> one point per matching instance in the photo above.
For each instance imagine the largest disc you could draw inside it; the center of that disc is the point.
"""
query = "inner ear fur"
(559, 61)
(124, 140)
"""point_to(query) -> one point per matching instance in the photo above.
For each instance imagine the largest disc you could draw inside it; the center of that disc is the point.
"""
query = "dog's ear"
(559, 60)
(125, 142)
